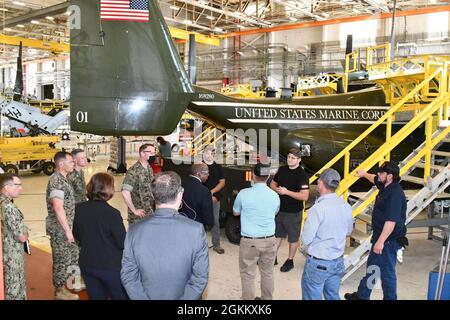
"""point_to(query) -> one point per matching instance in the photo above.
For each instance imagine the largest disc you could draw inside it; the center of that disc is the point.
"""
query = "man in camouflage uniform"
(76, 177)
(14, 234)
(136, 190)
(61, 210)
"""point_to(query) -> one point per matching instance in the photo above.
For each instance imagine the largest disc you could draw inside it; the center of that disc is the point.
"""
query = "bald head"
(201, 171)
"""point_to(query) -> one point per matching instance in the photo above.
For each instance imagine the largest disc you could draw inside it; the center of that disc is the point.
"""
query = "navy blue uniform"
(390, 205)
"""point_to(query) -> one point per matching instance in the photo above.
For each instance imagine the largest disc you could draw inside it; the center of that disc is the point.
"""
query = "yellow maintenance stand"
(420, 86)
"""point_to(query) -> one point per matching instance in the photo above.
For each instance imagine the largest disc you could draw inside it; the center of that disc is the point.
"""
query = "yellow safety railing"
(323, 81)
(399, 67)
(439, 105)
(208, 136)
(242, 91)
(372, 54)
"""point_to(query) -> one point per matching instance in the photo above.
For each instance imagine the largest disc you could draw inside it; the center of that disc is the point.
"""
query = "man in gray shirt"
(166, 254)
(328, 224)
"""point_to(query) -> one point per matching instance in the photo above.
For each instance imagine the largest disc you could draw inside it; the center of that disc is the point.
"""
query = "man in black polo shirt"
(388, 224)
(292, 184)
(215, 183)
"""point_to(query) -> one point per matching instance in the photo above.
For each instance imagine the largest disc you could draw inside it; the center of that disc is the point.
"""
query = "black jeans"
(103, 284)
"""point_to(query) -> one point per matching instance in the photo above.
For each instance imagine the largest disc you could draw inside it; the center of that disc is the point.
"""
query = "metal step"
(358, 195)
(412, 179)
(359, 235)
(364, 217)
(444, 123)
(433, 166)
(440, 153)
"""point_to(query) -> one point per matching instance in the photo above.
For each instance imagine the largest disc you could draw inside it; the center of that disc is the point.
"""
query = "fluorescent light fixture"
(218, 29)
(8, 29)
(174, 7)
(18, 3)
(240, 26)
(34, 22)
(4, 9)
(205, 3)
(187, 22)
(20, 26)
(210, 18)
(50, 18)
(292, 19)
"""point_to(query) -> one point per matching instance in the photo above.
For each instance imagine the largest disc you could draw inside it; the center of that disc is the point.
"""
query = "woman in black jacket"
(100, 233)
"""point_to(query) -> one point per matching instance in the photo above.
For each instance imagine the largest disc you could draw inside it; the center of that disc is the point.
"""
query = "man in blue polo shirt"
(388, 224)
(257, 207)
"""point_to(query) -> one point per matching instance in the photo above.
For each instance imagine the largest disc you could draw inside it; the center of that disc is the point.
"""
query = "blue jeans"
(382, 266)
(322, 277)
(102, 284)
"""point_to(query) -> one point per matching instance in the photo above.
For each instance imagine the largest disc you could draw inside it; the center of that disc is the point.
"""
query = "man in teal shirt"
(257, 207)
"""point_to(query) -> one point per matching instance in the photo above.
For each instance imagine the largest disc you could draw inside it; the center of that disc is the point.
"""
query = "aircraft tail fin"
(18, 85)
(126, 75)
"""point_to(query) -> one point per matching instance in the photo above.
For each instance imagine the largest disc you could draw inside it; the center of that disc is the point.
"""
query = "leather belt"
(315, 258)
(266, 237)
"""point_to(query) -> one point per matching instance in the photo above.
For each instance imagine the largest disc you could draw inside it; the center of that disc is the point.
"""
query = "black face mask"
(151, 159)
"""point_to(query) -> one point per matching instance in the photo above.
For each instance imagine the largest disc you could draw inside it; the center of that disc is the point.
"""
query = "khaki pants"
(263, 252)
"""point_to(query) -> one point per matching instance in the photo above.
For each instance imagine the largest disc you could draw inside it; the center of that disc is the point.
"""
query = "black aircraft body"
(127, 79)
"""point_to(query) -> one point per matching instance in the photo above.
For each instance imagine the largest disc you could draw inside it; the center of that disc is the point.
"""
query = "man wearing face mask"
(165, 255)
(197, 202)
(136, 189)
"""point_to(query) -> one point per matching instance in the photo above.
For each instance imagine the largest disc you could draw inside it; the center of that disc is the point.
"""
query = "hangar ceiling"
(45, 21)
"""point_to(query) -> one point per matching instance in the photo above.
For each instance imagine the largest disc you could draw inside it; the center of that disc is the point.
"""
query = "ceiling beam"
(310, 24)
(38, 44)
(377, 5)
(296, 8)
(36, 15)
(237, 15)
(200, 38)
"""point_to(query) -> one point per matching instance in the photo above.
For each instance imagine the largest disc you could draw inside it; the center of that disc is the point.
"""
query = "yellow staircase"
(209, 136)
(428, 97)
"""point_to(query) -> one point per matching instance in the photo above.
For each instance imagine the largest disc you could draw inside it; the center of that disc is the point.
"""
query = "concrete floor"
(224, 280)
